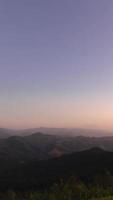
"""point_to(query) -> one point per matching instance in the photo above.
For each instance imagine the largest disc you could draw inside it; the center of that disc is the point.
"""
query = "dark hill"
(40, 146)
(42, 174)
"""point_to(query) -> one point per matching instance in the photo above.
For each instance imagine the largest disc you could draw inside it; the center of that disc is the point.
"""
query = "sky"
(56, 63)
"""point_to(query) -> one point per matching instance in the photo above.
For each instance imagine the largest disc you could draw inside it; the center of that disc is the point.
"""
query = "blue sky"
(56, 63)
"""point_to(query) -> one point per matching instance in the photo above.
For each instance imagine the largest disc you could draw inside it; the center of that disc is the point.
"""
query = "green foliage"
(10, 195)
(104, 198)
(70, 190)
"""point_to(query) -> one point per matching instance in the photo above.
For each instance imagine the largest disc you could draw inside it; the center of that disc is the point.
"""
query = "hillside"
(5, 133)
(41, 174)
(40, 146)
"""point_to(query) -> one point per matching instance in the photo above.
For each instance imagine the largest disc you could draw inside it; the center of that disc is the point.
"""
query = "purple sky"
(56, 63)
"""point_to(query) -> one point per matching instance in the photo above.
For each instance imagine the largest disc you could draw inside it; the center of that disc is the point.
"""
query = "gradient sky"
(56, 63)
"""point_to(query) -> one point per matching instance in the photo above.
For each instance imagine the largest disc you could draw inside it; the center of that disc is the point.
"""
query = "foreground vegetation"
(106, 198)
(100, 189)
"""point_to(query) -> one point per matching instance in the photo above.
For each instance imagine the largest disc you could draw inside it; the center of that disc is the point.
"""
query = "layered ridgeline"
(39, 160)
(40, 146)
(5, 133)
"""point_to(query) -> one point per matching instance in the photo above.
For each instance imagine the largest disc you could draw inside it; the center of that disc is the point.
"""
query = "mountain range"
(39, 146)
(5, 133)
(38, 159)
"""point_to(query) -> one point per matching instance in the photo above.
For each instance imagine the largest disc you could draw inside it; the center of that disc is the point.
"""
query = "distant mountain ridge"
(4, 133)
(41, 159)
(39, 146)
(69, 132)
